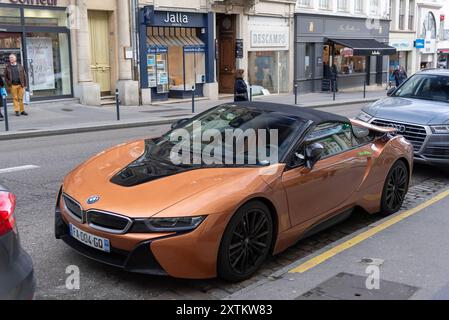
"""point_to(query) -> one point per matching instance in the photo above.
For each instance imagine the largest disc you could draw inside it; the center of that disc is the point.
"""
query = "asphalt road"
(37, 190)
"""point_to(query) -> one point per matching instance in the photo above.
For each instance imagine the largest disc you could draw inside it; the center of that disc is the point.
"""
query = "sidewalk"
(63, 117)
(408, 249)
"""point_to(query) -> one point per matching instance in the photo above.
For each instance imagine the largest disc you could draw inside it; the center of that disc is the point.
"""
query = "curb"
(125, 125)
(94, 128)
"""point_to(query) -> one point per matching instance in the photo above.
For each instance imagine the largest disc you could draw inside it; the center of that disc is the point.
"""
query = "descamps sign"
(269, 39)
(44, 3)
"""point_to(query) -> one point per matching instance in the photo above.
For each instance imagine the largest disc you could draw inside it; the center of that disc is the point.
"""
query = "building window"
(374, 7)
(346, 63)
(342, 5)
(401, 15)
(10, 16)
(358, 6)
(325, 4)
(268, 70)
(429, 28)
(411, 16)
(304, 3)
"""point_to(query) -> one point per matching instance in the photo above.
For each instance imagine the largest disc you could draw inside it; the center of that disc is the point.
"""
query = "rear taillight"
(7, 206)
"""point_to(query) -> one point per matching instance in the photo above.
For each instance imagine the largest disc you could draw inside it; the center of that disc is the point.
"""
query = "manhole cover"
(346, 286)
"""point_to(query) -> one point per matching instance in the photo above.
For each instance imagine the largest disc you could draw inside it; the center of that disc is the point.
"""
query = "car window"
(335, 138)
(428, 87)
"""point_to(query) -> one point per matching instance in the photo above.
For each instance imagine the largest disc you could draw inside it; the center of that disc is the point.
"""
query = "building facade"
(427, 32)
(199, 45)
(443, 44)
(345, 37)
(70, 48)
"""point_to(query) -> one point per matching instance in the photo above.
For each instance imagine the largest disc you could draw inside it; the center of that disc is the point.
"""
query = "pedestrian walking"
(402, 75)
(16, 80)
(240, 87)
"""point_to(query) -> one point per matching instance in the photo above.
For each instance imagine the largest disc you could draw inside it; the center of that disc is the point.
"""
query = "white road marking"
(17, 169)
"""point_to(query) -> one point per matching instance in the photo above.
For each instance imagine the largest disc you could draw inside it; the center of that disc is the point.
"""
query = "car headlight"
(365, 117)
(183, 224)
(443, 129)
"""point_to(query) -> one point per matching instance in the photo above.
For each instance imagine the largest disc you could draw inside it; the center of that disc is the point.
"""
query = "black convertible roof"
(307, 114)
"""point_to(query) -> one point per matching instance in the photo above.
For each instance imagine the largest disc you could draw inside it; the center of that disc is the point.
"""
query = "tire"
(395, 189)
(246, 243)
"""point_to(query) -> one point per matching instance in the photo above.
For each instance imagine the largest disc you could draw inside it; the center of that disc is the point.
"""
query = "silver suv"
(419, 109)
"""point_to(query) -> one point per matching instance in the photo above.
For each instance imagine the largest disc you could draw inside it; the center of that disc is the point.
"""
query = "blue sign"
(157, 49)
(194, 49)
(420, 43)
(173, 19)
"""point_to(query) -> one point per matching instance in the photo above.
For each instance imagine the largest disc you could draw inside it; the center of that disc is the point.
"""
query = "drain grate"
(345, 286)
(165, 110)
(67, 110)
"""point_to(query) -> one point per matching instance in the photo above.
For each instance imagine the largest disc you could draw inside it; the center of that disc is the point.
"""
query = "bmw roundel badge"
(93, 199)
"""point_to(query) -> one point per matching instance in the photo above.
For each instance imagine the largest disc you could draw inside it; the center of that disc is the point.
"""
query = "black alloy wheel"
(246, 243)
(395, 189)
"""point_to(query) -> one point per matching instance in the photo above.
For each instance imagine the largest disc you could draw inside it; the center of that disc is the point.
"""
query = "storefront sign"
(402, 45)
(40, 63)
(269, 39)
(420, 43)
(267, 34)
(173, 19)
(48, 3)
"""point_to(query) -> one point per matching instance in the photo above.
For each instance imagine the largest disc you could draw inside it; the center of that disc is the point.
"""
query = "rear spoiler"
(371, 127)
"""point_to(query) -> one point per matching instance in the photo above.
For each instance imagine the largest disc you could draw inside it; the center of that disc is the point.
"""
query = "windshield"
(427, 87)
(229, 135)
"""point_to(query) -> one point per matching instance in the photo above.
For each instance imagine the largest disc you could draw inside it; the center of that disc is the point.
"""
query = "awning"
(366, 47)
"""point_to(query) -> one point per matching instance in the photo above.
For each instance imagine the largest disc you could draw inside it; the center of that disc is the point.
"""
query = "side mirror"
(314, 152)
(391, 91)
(179, 123)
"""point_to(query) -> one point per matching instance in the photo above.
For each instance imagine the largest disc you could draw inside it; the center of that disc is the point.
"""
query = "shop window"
(48, 62)
(269, 71)
(10, 16)
(346, 63)
(51, 18)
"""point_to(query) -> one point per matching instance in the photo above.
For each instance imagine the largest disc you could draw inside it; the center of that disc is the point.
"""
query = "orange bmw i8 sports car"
(135, 208)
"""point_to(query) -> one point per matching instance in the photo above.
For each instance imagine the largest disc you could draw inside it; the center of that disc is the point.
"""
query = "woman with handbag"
(240, 87)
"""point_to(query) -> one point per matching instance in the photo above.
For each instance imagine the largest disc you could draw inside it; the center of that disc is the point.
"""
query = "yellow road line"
(365, 235)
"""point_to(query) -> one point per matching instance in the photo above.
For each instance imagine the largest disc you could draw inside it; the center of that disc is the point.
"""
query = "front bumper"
(435, 150)
(139, 260)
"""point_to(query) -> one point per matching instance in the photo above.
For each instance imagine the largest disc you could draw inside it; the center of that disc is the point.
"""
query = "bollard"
(193, 99)
(364, 90)
(5, 111)
(296, 94)
(117, 103)
(250, 93)
(334, 89)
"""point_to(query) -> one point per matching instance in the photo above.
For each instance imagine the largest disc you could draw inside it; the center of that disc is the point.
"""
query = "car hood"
(417, 111)
(146, 198)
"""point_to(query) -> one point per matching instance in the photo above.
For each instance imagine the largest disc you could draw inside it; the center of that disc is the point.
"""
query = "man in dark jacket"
(16, 80)
(240, 88)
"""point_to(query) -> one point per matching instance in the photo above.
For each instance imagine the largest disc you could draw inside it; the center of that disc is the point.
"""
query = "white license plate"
(90, 240)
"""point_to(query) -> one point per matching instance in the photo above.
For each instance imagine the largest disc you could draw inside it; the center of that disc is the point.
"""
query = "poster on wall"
(40, 64)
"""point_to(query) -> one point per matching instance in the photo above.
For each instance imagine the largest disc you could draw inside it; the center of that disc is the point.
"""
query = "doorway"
(226, 35)
(100, 44)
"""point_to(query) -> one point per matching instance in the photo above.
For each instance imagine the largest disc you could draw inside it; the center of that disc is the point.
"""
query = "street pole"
(364, 89)
(250, 93)
(5, 111)
(117, 103)
(334, 89)
(296, 94)
(193, 99)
